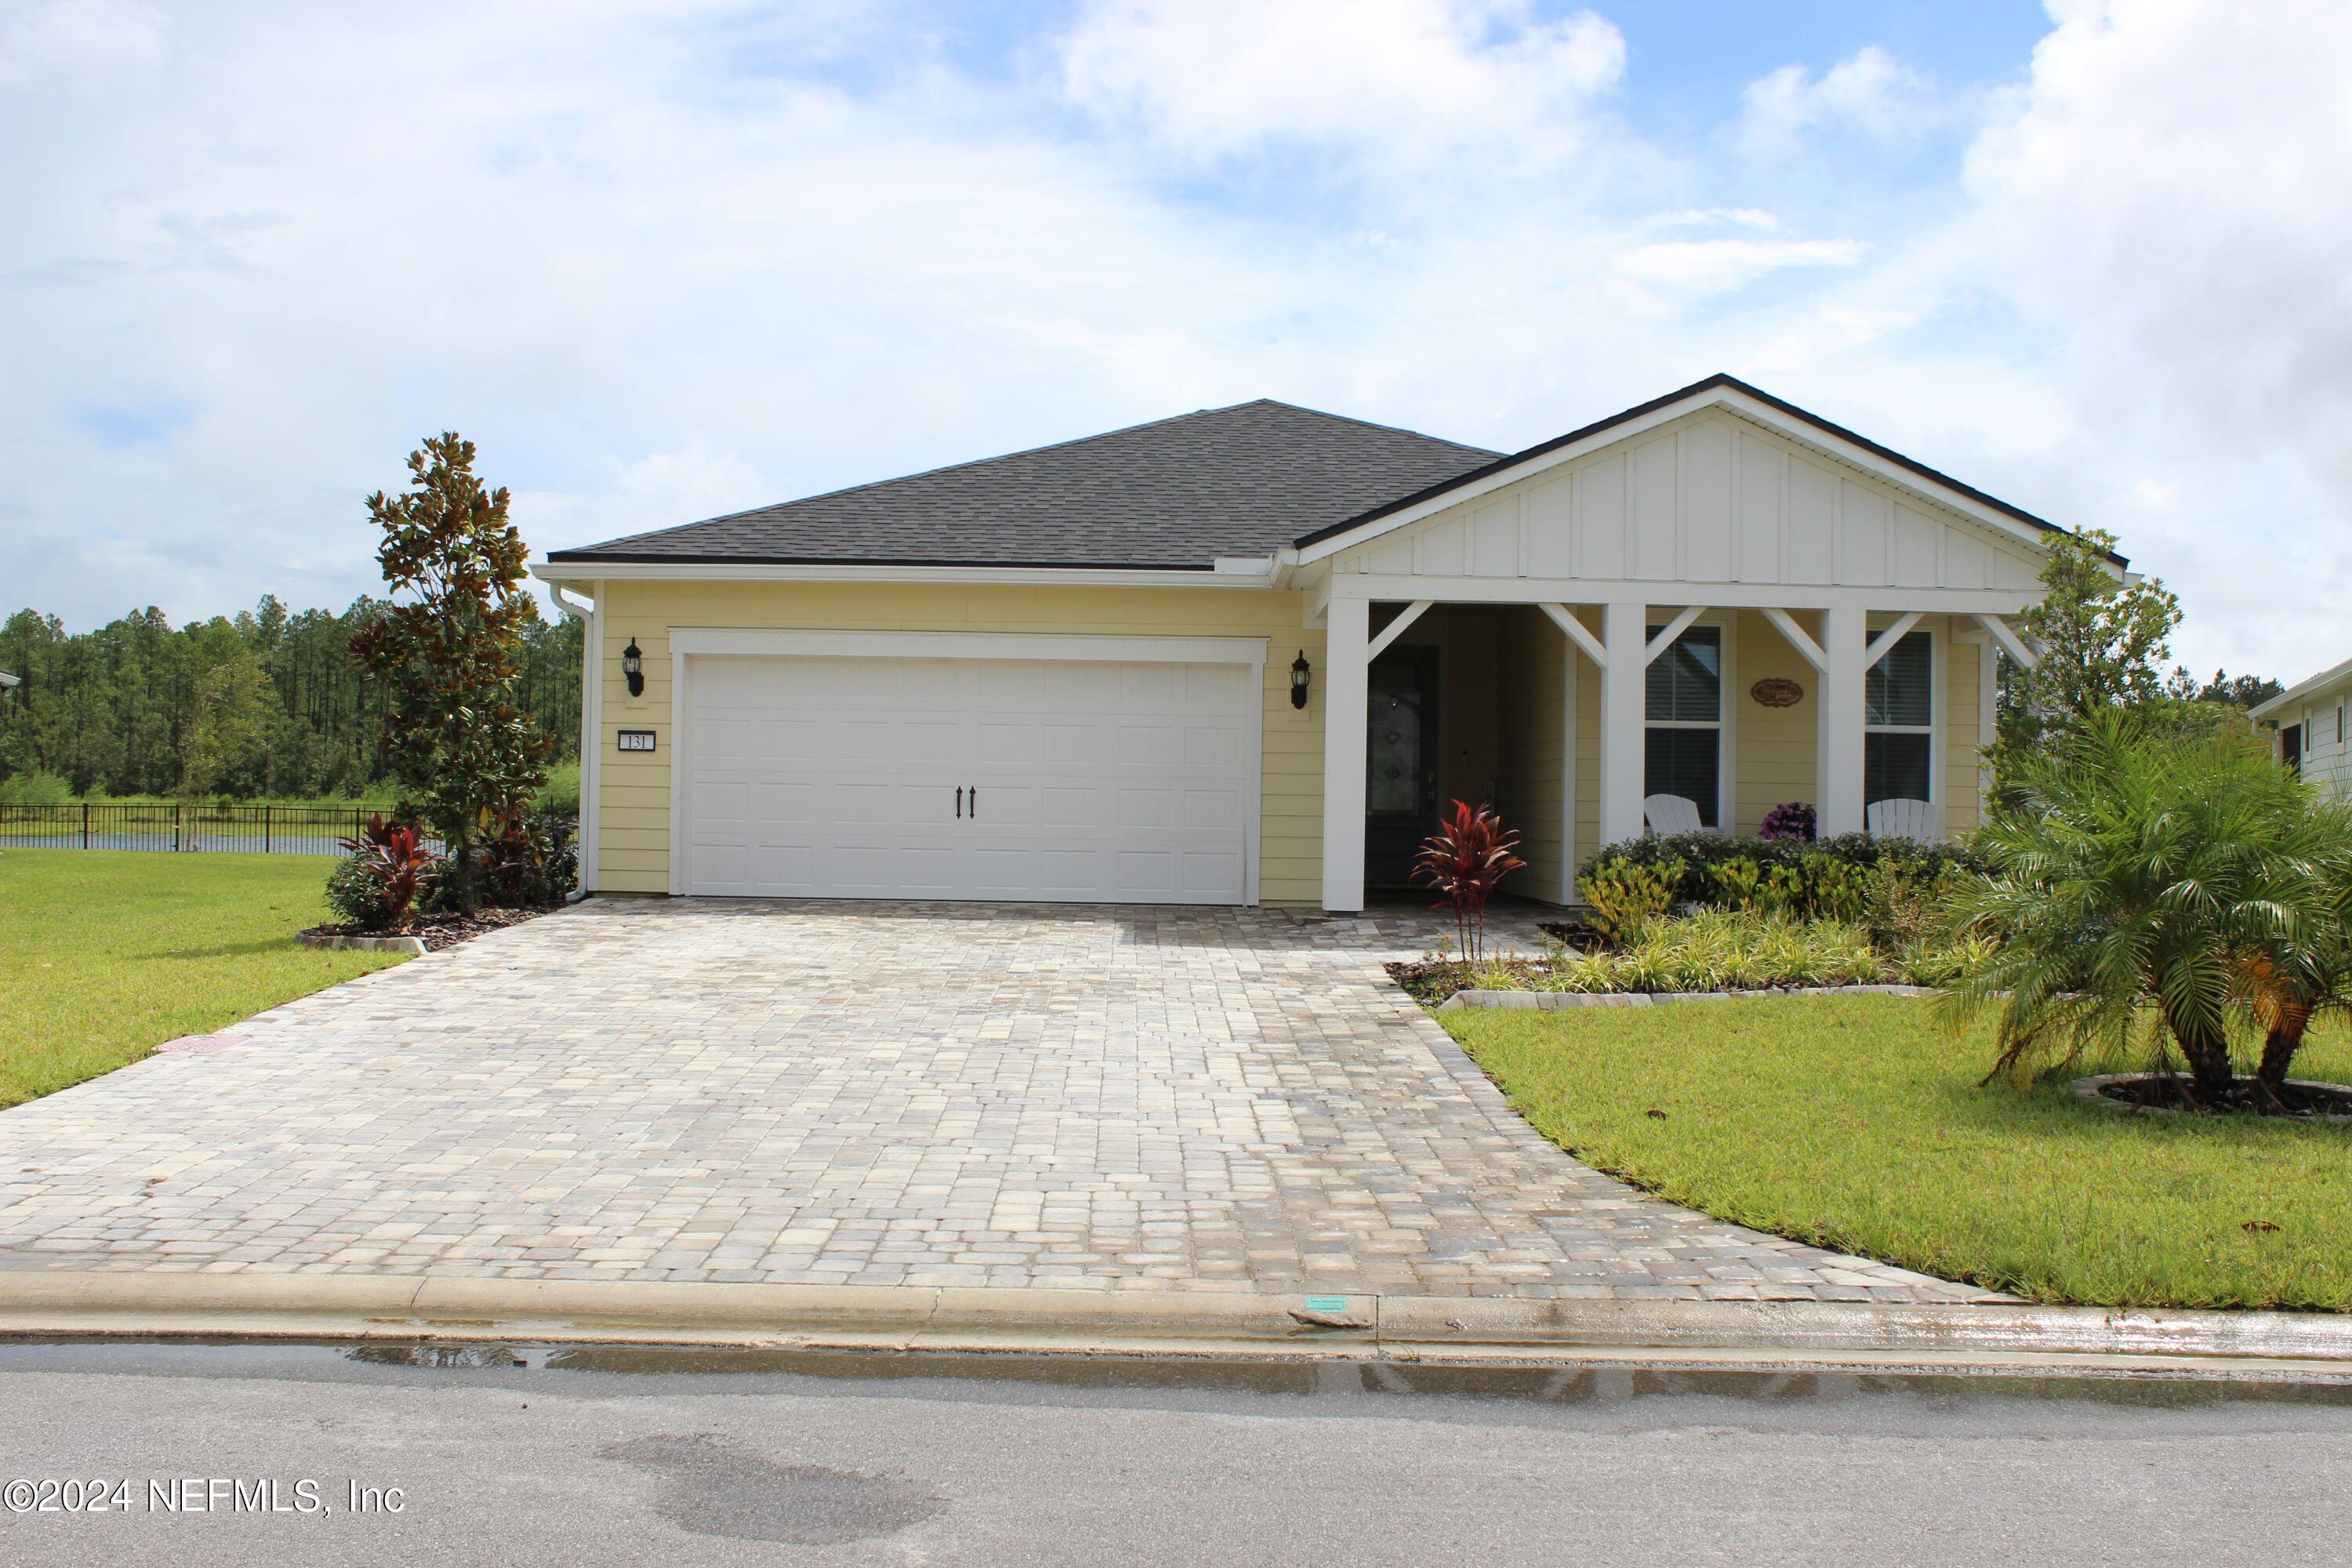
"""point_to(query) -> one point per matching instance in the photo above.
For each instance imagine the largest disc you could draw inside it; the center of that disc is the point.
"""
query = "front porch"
(1568, 716)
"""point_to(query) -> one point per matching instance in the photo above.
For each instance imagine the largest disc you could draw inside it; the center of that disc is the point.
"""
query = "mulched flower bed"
(1573, 934)
(2164, 1091)
(1429, 983)
(442, 931)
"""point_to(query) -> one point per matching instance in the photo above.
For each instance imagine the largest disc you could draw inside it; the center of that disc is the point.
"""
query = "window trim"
(1937, 665)
(1726, 625)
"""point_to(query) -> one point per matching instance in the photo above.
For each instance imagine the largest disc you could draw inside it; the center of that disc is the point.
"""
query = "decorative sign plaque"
(1775, 692)
(636, 739)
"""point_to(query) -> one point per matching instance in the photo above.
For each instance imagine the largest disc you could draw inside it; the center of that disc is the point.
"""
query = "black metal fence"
(222, 829)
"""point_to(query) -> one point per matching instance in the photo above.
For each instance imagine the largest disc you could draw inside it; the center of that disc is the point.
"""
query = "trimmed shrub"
(1698, 855)
(356, 892)
(1623, 896)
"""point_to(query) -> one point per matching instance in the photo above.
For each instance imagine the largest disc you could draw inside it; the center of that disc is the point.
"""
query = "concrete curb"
(414, 944)
(1168, 1322)
(1551, 1000)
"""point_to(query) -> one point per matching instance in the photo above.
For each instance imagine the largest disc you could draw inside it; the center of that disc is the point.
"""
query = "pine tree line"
(266, 704)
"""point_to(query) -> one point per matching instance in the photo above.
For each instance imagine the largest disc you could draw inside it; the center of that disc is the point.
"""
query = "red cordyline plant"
(396, 861)
(1464, 860)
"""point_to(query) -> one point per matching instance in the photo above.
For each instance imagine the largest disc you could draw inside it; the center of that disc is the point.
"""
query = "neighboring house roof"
(2294, 695)
(1178, 493)
(1499, 465)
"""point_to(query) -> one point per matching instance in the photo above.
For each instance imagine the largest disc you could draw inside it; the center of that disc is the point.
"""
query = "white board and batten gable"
(1710, 496)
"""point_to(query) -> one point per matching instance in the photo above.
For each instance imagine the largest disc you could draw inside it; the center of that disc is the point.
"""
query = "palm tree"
(2300, 967)
(2195, 880)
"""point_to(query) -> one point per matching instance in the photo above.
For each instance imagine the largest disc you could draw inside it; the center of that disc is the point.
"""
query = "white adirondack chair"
(1904, 819)
(1671, 814)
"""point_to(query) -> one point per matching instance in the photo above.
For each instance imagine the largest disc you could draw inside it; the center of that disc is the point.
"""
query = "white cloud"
(1719, 266)
(659, 491)
(2165, 202)
(666, 260)
(65, 43)
(1870, 92)
(1402, 79)
(1711, 218)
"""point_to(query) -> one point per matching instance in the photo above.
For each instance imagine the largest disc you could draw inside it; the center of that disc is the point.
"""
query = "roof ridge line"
(1366, 424)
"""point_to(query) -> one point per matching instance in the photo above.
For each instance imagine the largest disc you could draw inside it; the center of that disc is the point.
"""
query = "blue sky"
(661, 260)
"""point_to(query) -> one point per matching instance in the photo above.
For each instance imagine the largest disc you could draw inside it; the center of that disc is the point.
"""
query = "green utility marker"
(1327, 1303)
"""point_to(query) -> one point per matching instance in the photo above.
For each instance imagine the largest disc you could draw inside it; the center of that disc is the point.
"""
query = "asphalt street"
(266, 1454)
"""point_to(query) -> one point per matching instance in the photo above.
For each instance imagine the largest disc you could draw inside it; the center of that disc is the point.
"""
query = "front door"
(1400, 802)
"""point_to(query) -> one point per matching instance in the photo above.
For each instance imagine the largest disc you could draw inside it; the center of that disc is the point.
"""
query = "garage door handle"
(975, 803)
(959, 803)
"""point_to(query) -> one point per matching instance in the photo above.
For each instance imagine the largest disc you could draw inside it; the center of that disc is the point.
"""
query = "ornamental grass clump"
(1725, 949)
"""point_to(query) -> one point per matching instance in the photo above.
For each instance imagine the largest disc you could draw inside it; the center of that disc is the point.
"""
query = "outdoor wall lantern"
(1300, 674)
(633, 669)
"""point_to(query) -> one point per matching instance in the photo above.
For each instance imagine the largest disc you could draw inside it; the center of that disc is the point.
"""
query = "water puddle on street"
(709, 1369)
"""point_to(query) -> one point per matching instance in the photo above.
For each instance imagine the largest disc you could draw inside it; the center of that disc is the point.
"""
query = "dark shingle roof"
(1243, 480)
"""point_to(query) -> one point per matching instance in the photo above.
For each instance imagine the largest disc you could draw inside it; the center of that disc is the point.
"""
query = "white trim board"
(853, 572)
(1105, 649)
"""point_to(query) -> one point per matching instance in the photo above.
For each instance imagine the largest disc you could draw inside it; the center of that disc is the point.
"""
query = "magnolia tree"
(468, 759)
(2102, 642)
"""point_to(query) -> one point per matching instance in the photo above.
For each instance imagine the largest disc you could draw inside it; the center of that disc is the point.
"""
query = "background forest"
(265, 705)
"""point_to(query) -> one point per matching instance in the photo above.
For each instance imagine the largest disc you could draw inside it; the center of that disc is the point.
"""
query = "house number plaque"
(1775, 692)
(636, 739)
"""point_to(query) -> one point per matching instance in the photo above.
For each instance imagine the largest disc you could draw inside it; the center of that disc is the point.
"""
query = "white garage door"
(1065, 780)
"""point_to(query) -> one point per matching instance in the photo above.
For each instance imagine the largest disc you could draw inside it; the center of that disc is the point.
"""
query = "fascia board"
(1672, 592)
(2304, 691)
(797, 571)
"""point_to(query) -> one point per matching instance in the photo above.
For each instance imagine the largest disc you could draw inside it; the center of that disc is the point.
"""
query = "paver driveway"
(869, 1094)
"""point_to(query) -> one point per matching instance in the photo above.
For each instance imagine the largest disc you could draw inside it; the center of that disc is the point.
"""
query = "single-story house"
(2306, 721)
(1247, 656)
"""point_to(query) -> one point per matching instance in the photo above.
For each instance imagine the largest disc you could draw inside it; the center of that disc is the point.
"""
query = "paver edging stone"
(1550, 1000)
(414, 944)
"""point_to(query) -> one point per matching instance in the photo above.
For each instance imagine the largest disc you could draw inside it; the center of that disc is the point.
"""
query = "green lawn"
(1855, 1123)
(105, 954)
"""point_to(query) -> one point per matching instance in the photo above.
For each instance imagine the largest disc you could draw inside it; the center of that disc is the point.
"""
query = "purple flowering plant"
(1793, 820)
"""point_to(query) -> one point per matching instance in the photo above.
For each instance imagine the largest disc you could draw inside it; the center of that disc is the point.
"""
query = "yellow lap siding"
(633, 837)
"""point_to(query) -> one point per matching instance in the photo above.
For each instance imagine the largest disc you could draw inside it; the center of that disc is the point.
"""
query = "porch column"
(1624, 757)
(1839, 784)
(1346, 715)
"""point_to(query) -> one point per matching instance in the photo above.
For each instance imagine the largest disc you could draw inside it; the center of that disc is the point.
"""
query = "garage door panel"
(791, 866)
(1211, 810)
(1203, 871)
(838, 777)
(1146, 808)
(1147, 745)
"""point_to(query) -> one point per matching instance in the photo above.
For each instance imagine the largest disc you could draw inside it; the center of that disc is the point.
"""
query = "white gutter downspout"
(591, 719)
